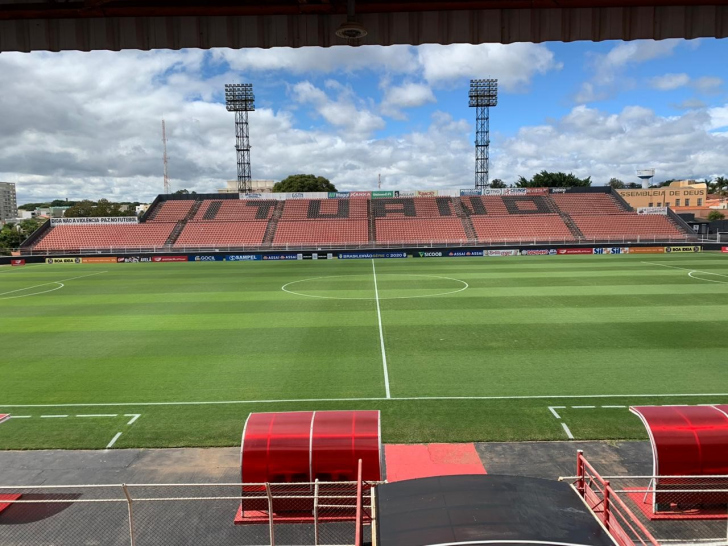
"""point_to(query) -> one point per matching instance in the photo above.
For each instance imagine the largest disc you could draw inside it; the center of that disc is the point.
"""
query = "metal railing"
(326, 513)
(535, 242)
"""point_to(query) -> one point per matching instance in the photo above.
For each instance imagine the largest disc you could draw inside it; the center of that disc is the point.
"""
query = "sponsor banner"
(652, 210)
(383, 194)
(427, 254)
(17, 262)
(205, 258)
(465, 193)
(63, 260)
(537, 191)
(255, 196)
(405, 193)
(169, 258)
(723, 249)
(133, 259)
(243, 258)
(683, 249)
(514, 191)
(575, 250)
(370, 255)
(99, 260)
(647, 250)
(558, 190)
(360, 194)
(493, 191)
(499, 252)
(112, 220)
(298, 195)
(338, 195)
(463, 253)
(612, 250)
(539, 252)
(426, 193)
(286, 256)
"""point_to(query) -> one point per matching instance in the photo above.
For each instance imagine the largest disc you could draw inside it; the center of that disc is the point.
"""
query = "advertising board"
(205, 258)
(683, 249)
(285, 256)
(493, 191)
(539, 252)
(405, 193)
(575, 250)
(463, 253)
(243, 258)
(537, 191)
(466, 193)
(647, 250)
(360, 194)
(253, 196)
(426, 193)
(63, 260)
(369, 255)
(427, 254)
(133, 259)
(724, 249)
(169, 258)
(501, 252)
(652, 210)
(17, 262)
(99, 260)
(558, 190)
(338, 195)
(612, 250)
(104, 220)
(515, 191)
(297, 195)
(382, 194)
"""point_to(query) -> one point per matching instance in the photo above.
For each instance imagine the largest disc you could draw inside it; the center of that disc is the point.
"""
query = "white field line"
(381, 333)
(686, 269)
(17, 269)
(113, 440)
(567, 431)
(53, 416)
(134, 417)
(553, 409)
(20, 416)
(46, 284)
(364, 399)
(708, 280)
(583, 407)
(98, 415)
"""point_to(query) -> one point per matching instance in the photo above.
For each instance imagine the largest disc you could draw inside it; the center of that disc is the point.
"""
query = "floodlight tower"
(483, 94)
(239, 98)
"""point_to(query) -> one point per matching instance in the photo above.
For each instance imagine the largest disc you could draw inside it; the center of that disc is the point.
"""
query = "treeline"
(86, 208)
(12, 235)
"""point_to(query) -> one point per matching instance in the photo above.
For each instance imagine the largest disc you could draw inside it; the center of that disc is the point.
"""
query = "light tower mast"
(166, 172)
(483, 94)
(239, 98)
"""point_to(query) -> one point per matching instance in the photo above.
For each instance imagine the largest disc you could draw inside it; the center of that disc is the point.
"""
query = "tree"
(616, 184)
(185, 192)
(633, 185)
(714, 215)
(303, 183)
(103, 209)
(497, 183)
(546, 179)
(720, 185)
(10, 238)
(82, 209)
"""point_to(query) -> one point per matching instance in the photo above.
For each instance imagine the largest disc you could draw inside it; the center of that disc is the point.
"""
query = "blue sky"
(595, 109)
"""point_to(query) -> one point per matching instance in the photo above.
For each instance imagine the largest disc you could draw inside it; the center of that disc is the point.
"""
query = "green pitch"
(178, 354)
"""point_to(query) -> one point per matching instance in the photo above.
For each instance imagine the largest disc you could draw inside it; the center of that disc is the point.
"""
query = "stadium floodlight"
(239, 98)
(483, 94)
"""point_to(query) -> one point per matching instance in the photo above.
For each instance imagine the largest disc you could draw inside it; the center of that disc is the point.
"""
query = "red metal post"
(359, 509)
(580, 472)
(607, 507)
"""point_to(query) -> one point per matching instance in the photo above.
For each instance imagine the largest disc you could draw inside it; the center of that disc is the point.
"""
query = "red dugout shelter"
(687, 441)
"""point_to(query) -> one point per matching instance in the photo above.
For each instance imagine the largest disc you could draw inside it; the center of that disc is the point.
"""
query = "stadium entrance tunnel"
(385, 286)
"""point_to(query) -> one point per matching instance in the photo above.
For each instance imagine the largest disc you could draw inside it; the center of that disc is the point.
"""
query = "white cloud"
(638, 52)
(690, 104)
(707, 84)
(668, 82)
(408, 95)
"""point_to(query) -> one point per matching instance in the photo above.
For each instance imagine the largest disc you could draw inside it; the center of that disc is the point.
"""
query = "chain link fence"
(323, 513)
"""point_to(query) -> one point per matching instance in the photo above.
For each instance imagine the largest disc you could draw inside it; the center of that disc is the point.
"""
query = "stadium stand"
(210, 221)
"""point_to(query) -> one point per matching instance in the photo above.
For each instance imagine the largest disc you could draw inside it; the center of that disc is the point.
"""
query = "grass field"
(178, 354)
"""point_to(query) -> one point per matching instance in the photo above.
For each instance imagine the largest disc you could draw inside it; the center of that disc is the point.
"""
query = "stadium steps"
(212, 210)
(573, 228)
(372, 223)
(195, 207)
(620, 201)
(175, 233)
(272, 227)
(465, 219)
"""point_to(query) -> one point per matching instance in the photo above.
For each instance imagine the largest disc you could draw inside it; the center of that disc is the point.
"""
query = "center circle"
(388, 286)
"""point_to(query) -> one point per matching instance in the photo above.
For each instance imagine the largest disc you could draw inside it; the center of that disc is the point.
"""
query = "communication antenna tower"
(483, 94)
(239, 98)
(166, 172)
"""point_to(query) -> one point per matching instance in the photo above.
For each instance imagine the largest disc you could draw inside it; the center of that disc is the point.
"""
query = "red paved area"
(407, 462)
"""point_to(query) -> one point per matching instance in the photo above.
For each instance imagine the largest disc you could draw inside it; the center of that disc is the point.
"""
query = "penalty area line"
(362, 399)
(113, 440)
(381, 333)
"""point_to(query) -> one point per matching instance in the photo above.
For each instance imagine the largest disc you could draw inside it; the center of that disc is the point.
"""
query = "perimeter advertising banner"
(243, 258)
(100, 260)
(652, 210)
(723, 249)
(169, 258)
(63, 260)
(17, 262)
(206, 258)
(537, 191)
(467, 193)
(133, 259)
(493, 191)
(382, 194)
(539, 252)
(338, 195)
(405, 193)
(647, 250)
(463, 253)
(612, 250)
(427, 254)
(370, 255)
(683, 249)
(501, 252)
(360, 194)
(426, 193)
(286, 256)
(575, 250)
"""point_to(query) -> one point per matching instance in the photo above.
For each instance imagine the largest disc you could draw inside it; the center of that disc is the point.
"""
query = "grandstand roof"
(27, 25)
